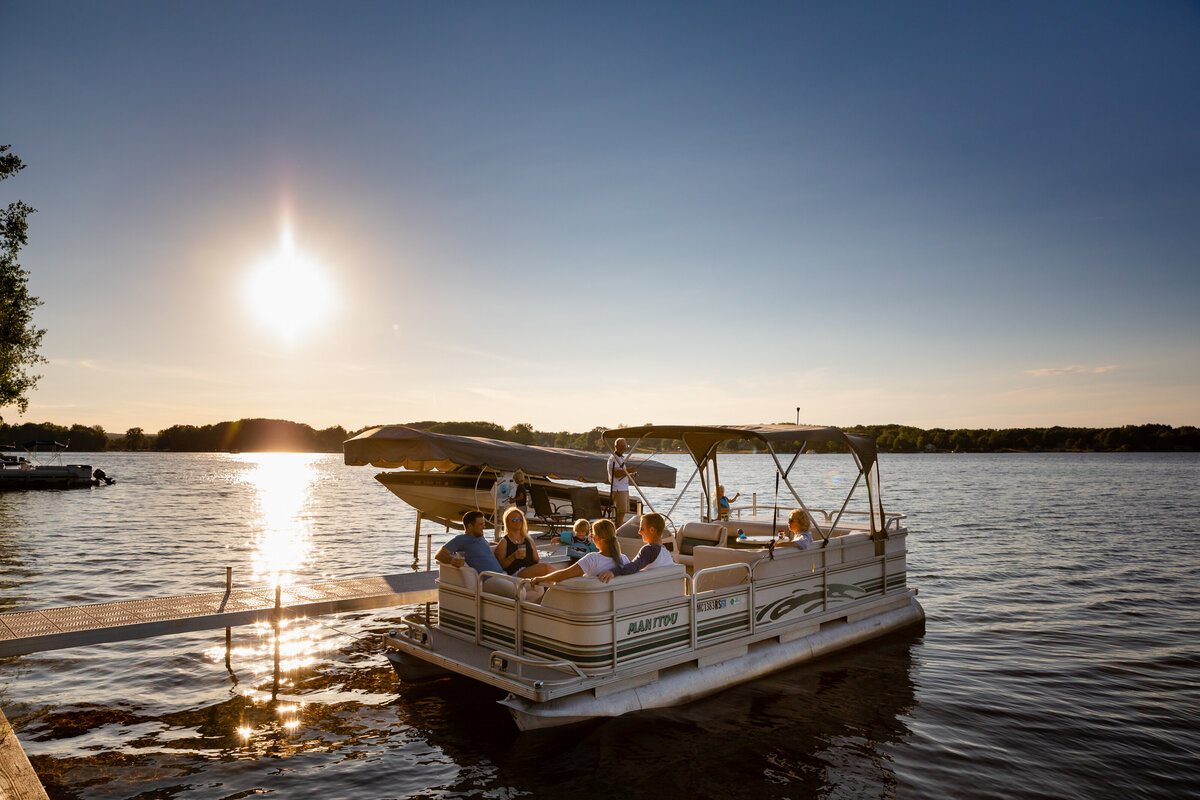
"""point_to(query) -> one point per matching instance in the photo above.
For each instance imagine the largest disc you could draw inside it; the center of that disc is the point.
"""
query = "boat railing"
(417, 631)
(519, 586)
(891, 520)
(499, 660)
(694, 580)
(693, 590)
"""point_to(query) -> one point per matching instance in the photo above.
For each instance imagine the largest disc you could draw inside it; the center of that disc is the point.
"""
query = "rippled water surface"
(1060, 658)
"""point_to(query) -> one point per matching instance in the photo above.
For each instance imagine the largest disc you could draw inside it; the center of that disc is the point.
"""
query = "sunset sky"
(579, 214)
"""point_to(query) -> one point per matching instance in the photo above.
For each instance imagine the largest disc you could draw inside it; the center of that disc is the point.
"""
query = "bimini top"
(396, 446)
(40, 444)
(700, 440)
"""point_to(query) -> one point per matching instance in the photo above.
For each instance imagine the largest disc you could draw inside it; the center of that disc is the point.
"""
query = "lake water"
(1060, 657)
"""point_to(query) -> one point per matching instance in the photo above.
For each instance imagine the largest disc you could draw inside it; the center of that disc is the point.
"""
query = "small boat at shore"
(444, 476)
(733, 607)
(41, 467)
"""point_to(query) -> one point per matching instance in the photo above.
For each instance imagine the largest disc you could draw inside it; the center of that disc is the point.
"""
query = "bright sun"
(288, 293)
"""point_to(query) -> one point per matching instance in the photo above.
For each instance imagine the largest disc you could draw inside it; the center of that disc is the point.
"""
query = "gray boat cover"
(397, 446)
(699, 439)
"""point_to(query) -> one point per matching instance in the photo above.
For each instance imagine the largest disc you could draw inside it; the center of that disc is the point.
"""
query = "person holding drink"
(469, 547)
(515, 551)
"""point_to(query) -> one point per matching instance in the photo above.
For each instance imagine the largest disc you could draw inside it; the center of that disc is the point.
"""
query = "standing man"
(618, 479)
(470, 546)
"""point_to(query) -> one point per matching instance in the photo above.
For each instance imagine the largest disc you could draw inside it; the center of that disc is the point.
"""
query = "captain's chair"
(693, 534)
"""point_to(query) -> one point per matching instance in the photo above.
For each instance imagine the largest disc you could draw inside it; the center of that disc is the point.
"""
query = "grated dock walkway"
(24, 632)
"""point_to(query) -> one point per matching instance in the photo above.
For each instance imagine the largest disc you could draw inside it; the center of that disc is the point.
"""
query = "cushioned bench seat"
(630, 541)
(762, 527)
(693, 534)
(587, 595)
(788, 559)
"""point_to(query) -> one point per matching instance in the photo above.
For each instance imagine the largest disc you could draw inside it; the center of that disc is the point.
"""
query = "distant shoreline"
(273, 435)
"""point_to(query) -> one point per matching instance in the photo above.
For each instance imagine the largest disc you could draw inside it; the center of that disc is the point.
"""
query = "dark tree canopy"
(19, 337)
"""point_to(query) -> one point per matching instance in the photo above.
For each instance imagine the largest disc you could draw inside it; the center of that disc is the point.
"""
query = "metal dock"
(57, 628)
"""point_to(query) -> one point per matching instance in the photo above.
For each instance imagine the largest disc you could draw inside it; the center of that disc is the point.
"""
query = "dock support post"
(754, 503)
(275, 624)
(417, 543)
(228, 631)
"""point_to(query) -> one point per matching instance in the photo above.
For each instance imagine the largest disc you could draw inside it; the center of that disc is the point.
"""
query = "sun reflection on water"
(281, 539)
(271, 666)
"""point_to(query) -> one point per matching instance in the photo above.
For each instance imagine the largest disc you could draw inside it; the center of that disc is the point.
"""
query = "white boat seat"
(705, 556)
(630, 541)
(710, 534)
(788, 560)
(629, 528)
(587, 595)
(629, 547)
(628, 538)
(465, 578)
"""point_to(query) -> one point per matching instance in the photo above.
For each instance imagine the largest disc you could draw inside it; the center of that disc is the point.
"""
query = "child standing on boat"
(652, 555)
(723, 503)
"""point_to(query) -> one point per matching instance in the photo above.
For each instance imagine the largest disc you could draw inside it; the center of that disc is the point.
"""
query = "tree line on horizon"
(274, 435)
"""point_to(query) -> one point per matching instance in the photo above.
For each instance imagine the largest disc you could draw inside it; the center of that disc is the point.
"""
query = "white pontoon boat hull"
(684, 683)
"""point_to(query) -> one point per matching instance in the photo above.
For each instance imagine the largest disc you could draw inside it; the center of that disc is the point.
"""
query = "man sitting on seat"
(652, 555)
(470, 547)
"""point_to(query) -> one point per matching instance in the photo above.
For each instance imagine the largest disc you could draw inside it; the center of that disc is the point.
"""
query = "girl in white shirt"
(604, 533)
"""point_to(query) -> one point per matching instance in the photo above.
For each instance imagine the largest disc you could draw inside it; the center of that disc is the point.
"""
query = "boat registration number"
(713, 605)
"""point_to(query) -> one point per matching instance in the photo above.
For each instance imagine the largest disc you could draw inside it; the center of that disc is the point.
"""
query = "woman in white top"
(604, 533)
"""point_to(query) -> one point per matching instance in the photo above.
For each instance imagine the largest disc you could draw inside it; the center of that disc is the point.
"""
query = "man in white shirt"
(618, 479)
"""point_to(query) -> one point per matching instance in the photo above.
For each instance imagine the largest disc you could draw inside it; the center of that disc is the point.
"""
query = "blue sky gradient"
(939, 214)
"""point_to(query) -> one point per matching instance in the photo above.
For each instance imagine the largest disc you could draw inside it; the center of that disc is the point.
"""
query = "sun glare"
(289, 293)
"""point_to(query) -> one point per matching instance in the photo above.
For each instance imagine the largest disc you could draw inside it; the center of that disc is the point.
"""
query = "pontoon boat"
(731, 610)
(41, 467)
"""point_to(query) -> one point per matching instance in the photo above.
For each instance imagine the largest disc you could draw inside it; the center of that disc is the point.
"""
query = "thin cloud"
(81, 363)
(1072, 370)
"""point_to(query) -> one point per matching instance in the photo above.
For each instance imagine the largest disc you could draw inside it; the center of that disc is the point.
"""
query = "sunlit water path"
(1060, 658)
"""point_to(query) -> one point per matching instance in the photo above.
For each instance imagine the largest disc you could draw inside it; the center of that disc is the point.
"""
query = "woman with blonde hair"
(515, 551)
(604, 533)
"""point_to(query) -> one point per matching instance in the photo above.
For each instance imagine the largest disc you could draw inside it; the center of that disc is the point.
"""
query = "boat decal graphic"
(786, 605)
(836, 592)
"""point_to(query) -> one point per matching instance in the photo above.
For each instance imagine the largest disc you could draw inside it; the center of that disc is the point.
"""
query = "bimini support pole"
(417, 542)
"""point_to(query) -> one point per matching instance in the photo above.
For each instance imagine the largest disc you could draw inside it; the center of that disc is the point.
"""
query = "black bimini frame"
(702, 441)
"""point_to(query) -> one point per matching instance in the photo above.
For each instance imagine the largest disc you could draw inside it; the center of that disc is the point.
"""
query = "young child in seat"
(799, 525)
(578, 540)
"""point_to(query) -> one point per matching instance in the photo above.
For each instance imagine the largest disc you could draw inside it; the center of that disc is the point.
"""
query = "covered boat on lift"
(444, 476)
(731, 611)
